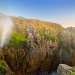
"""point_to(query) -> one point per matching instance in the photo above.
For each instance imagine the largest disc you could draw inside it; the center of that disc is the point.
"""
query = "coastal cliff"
(37, 46)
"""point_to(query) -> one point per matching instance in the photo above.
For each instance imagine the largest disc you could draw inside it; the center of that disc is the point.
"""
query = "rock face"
(47, 45)
(33, 59)
(64, 69)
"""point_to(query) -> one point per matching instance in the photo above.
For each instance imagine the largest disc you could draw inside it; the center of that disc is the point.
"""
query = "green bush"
(16, 39)
(2, 64)
(3, 67)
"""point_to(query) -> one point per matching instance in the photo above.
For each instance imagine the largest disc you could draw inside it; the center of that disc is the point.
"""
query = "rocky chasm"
(37, 47)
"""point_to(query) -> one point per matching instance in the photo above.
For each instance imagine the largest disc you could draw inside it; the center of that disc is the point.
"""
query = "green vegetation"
(73, 69)
(3, 67)
(72, 73)
(47, 34)
(16, 39)
(41, 32)
(52, 37)
(2, 64)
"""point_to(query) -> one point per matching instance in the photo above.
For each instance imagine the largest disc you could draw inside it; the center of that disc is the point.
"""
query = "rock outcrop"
(64, 69)
(38, 47)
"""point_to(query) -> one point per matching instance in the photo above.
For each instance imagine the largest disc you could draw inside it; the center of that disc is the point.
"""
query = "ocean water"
(52, 73)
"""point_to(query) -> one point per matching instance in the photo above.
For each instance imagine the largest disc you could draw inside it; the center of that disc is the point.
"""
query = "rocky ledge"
(64, 69)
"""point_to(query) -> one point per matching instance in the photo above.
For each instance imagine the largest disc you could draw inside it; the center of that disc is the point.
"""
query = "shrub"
(16, 39)
(3, 64)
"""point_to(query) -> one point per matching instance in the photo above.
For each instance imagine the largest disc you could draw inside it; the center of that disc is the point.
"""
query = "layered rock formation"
(36, 47)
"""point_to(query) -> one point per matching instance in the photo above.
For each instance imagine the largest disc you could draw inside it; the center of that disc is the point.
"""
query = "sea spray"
(6, 26)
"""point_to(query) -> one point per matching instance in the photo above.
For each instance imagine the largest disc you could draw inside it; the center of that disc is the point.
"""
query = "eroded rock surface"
(46, 45)
(64, 69)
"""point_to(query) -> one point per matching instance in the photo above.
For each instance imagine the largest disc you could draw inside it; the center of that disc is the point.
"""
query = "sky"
(57, 11)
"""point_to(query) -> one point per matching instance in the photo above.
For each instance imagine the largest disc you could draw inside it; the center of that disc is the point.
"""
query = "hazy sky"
(60, 11)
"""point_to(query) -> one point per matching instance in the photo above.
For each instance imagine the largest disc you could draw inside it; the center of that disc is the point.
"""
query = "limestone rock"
(64, 69)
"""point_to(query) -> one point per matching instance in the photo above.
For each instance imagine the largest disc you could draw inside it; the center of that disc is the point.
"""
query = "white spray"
(6, 26)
